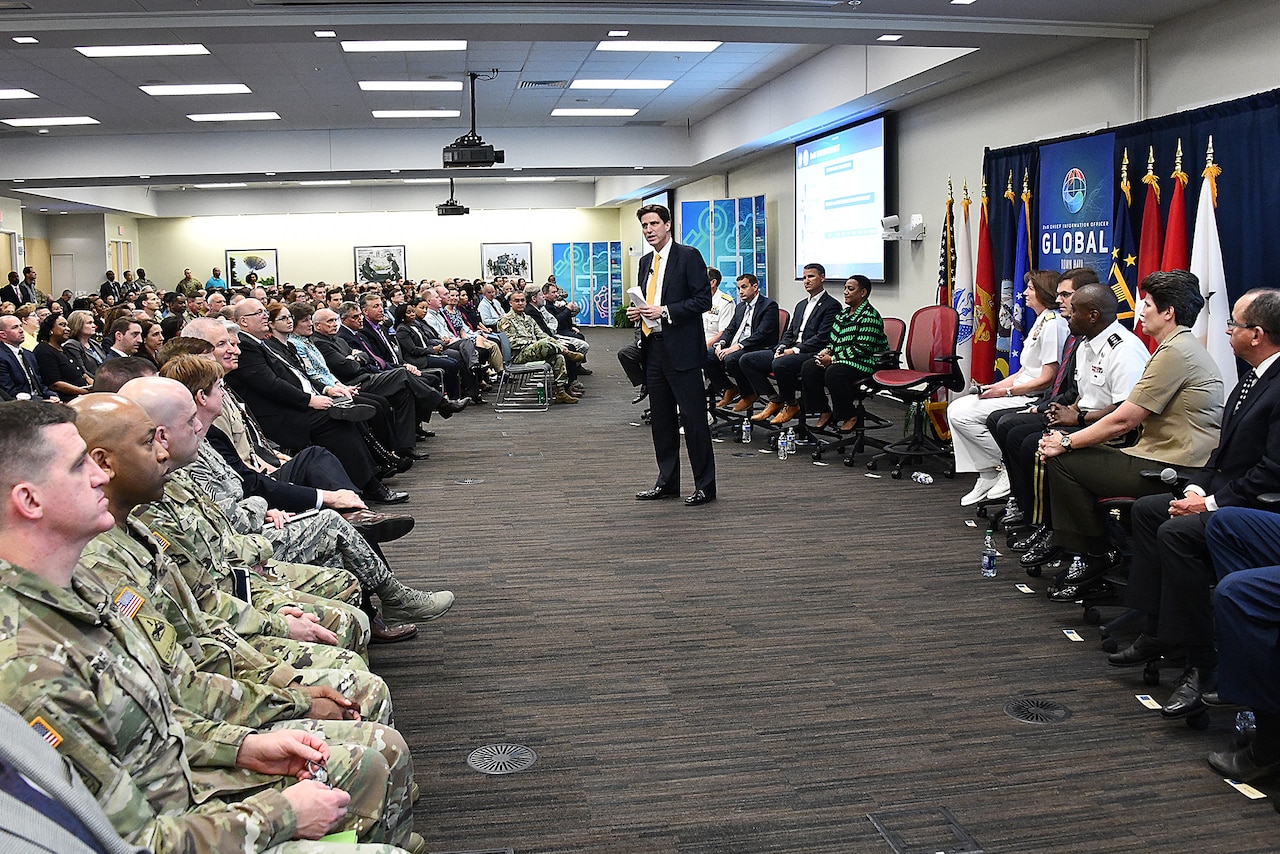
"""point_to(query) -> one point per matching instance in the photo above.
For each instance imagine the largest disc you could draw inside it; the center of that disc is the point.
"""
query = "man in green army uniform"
(195, 535)
(166, 778)
(326, 538)
(528, 344)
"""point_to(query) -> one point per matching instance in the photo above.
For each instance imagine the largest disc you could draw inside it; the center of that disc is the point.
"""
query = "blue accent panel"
(695, 226)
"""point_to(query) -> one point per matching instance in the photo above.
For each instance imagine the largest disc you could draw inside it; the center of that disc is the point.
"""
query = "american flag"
(128, 603)
(48, 733)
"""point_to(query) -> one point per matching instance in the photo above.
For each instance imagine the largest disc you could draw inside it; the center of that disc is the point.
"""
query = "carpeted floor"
(762, 673)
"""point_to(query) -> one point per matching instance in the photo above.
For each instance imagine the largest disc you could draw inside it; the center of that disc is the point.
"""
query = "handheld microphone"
(1169, 478)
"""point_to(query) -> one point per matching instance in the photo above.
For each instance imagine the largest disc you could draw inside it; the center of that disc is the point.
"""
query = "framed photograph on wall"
(241, 262)
(507, 259)
(376, 265)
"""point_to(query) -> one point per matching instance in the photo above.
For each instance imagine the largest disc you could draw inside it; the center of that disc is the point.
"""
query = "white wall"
(315, 247)
(82, 236)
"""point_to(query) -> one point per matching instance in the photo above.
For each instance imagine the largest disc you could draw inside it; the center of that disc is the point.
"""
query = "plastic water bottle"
(922, 477)
(783, 447)
(746, 431)
(791, 440)
(1245, 724)
(989, 555)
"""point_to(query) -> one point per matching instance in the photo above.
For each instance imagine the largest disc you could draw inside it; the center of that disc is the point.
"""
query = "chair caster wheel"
(871, 465)
(1034, 571)
(849, 461)
(1198, 721)
(949, 475)
(1151, 674)
(896, 474)
(981, 512)
(1092, 617)
(1110, 645)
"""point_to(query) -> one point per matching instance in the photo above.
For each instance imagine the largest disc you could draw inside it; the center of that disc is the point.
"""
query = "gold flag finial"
(1211, 172)
(1026, 180)
(1124, 167)
(1151, 179)
(951, 192)
(1009, 188)
(1151, 160)
(1208, 155)
(966, 189)
(1177, 158)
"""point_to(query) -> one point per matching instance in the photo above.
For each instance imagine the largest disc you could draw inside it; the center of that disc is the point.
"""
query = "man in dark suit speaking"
(677, 293)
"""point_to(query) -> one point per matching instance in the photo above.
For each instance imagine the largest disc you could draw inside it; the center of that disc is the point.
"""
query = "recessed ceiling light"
(43, 130)
(15, 94)
(619, 34)
(411, 85)
(144, 50)
(26, 40)
(62, 213)
(963, 2)
(19, 180)
(660, 47)
(395, 171)
(407, 46)
(44, 210)
(143, 177)
(197, 89)
(587, 111)
(425, 180)
(233, 117)
(531, 179)
(269, 174)
(330, 183)
(889, 37)
(620, 84)
(225, 186)
(326, 34)
(51, 121)
(416, 114)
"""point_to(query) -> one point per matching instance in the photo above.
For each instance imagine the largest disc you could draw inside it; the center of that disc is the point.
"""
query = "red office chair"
(932, 364)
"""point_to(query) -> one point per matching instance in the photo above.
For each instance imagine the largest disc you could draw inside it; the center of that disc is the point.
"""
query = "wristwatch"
(1080, 415)
(1065, 441)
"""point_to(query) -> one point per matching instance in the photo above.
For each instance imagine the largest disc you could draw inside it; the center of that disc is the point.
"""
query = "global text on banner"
(1077, 198)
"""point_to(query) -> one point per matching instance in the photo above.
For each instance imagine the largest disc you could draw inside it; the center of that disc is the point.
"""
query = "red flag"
(1177, 255)
(1150, 244)
(984, 304)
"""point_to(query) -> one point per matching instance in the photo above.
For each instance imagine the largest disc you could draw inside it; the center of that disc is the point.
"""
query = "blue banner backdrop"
(1076, 200)
(730, 234)
(592, 275)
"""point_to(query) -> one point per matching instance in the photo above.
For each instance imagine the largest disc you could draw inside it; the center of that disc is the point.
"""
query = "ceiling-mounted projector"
(452, 207)
(469, 149)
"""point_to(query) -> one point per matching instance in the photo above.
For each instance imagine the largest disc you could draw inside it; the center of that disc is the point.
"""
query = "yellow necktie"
(651, 292)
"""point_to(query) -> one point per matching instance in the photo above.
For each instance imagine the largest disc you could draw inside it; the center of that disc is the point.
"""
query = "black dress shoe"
(1039, 554)
(417, 456)
(700, 496)
(379, 527)
(584, 371)
(1186, 697)
(477, 399)
(643, 393)
(658, 492)
(380, 632)
(423, 433)
(448, 407)
(382, 495)
(1025, 541)
(352, 412)
(1145, 648)
(1242, 765)
(1095, 589)
(1012, 520)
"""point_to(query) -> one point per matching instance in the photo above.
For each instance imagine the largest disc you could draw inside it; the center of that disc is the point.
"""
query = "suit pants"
(757, 365)
(344, 441)
(671, 391)
(1077, 480)
(842, 381)
(632, 365)
(315, 467)
(727, 373)
(448, 364)
(1017, 434)
(1172, 575)
(1246, 608)
(412, 398)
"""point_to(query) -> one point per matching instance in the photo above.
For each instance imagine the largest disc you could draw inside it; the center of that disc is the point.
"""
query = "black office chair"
(932, 365)
(724, 419)
(829, 439)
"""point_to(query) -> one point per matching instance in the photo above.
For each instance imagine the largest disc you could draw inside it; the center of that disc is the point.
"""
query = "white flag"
(1206, 263)
(962, 299)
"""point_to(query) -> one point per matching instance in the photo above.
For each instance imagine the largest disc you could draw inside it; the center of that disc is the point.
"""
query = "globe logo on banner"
(1073, 189)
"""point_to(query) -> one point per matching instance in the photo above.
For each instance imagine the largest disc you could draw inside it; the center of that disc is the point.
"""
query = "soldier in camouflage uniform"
(166, 777)
(528, 344)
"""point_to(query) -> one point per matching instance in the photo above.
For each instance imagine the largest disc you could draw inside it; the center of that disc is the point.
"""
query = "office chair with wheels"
(932, 364)
(829, 440)
(723, 419)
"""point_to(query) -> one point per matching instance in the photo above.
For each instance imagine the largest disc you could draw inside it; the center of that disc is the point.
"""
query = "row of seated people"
(815, 366)
(1111, 416)
(191, 654)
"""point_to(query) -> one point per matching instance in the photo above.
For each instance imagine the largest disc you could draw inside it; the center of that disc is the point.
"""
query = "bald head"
(1093, 309)
(211, 329)
(101, 415)
(166, 401)
(122, 439)
(324, 315)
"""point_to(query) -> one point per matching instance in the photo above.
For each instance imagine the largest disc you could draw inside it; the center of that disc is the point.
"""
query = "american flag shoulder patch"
(128, 603)
(48, 733)
(162, 540)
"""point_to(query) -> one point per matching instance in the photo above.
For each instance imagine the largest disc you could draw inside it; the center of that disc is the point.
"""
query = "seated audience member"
(488, 351)
(1172, 574)
(529, 344)
(360, 327)
(19, 372)
(119, 725)
(1018, 433)
(81, 347)
(1178, 405)
(289, 411)
(535, 309)
(491, 310)
(326, 538)
(754, 327)
(152, 340)
(975, 447)
(808, 332)
(716, 319)
(557, 304)
(856, 341)
(57, 371)
(114, 373)
(462, 350)
(124, 336)
(467, 305)
(30, 316)
(215, 302)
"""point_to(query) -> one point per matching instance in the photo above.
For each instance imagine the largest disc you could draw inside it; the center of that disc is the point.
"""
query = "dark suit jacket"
(383, 345)
(279, 494)
(417, 341)
(12, 378)
(19, 294)
(686, 295)
(273, 394)
(817, 332)
(349, 364)
(1246, 462)
(764, 325)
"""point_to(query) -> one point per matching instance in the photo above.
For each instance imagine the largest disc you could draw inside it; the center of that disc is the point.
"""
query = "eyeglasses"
(1235, 324)
(254, 313)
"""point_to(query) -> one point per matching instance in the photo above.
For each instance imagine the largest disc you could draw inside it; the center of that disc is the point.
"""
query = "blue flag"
(1021, 267)
(1124, 260)
(1004, 311)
